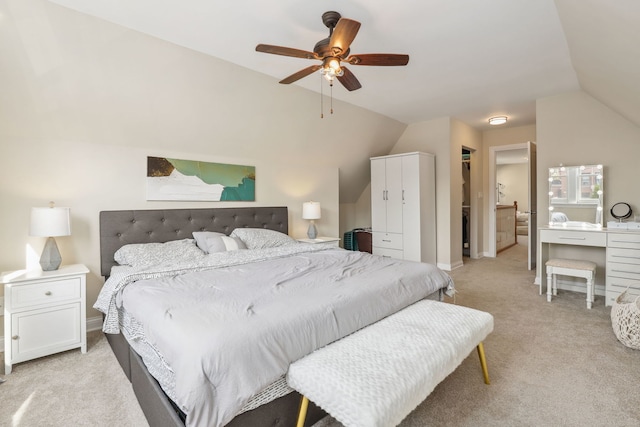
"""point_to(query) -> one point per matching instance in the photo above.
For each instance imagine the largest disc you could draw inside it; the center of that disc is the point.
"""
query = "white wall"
(444, 138)
(515, 179)
(574, 129)
(434, 137)
(85, 101)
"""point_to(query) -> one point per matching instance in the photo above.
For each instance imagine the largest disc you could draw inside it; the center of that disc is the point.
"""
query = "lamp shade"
(311, 210)
(50, 222)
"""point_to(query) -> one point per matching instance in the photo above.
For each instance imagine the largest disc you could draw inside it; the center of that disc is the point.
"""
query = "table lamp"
(50, 222)
(311, 211)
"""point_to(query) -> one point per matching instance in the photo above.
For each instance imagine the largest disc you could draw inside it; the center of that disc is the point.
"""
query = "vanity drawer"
(623, 255)
(570, 237)
(620, 270)
(45, 292)
(387, 240)
(617, 286)
(624, 240)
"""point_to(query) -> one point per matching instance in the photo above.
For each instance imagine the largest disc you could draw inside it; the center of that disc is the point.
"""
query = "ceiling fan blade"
(286, 51)
(300, 74)
(384, 59)
(348, 80)
(342, 36)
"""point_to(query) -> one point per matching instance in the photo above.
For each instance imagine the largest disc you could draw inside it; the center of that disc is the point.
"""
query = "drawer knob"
(48, 293)
(15, 337)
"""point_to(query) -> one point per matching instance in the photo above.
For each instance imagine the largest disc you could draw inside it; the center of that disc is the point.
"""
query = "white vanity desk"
(620, 257)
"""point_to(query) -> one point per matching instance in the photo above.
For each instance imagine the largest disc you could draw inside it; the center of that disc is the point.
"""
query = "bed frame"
(118, 228)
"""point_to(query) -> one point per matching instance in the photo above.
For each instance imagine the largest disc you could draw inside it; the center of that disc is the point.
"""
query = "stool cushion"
(376, 376)
(571, 263)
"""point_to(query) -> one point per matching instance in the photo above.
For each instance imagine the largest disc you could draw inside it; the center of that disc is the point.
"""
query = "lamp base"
(312, 232)
(50, 259)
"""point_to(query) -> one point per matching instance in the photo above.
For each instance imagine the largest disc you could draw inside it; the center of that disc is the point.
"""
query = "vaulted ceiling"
(469, 60)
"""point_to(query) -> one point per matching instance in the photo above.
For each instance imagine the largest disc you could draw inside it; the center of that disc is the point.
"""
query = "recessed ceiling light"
(498, 120)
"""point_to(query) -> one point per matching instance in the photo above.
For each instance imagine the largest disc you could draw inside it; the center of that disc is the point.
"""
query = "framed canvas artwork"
(191, 180)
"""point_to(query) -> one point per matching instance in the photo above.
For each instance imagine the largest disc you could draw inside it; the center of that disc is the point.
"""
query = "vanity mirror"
(575, 196)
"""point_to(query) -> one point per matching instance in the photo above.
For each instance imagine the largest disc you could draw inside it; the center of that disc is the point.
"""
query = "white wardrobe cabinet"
(403, 210)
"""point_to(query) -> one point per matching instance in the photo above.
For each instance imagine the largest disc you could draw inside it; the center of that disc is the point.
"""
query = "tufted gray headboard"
(119, 228)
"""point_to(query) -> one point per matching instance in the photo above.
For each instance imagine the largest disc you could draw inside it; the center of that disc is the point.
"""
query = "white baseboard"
(93, 324)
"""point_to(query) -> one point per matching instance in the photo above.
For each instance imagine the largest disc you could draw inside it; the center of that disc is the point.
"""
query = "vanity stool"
(574, 268)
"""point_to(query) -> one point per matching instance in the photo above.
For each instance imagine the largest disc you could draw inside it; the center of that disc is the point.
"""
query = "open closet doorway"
(512, 178)
(466, 202)
(471, 213)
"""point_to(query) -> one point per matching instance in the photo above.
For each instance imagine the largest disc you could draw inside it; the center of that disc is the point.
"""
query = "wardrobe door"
(394, 194)
(378, 196)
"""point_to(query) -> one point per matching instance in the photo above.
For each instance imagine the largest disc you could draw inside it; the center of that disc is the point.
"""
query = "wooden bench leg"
(302, 414)
(483, 363)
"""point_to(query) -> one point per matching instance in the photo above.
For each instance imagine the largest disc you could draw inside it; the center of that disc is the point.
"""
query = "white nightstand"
(334, 240)
(44, 313)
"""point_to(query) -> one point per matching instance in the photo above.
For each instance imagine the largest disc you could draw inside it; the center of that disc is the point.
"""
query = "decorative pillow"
(222, 244)
(147, 254)
(202, 236)
(260, 238)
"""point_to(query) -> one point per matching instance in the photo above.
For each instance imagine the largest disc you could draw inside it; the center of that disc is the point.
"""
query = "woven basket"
(625, 320)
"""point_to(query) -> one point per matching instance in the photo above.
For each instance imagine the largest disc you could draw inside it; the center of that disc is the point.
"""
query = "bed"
(148, 301)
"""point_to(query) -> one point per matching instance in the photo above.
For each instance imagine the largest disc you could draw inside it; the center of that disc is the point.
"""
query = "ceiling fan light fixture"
(331, 69)
(498, 120)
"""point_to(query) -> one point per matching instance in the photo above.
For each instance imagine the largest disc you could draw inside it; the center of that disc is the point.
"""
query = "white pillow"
(213, 241)
(260, 238)
(202, 236)
(147, 254)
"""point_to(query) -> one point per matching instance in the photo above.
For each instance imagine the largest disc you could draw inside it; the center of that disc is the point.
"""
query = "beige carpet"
(551, 364)
(70, 389)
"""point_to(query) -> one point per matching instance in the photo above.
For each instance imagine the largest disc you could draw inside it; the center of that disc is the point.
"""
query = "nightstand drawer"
(45, 292)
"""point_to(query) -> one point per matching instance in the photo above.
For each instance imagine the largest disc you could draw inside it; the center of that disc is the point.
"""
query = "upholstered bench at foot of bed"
(379, 374)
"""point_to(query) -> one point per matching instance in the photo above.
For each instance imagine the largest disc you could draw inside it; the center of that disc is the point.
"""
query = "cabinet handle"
(48, 293)
(386, 240)
(403, 195)
(15, 337)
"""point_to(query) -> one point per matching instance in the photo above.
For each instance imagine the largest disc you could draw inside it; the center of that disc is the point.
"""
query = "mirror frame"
(598, 202)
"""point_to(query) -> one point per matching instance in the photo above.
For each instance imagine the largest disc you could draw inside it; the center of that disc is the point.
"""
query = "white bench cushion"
(571, 263)
(379, 374)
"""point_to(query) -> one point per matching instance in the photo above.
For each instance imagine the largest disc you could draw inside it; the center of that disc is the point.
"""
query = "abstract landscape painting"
(190, 180)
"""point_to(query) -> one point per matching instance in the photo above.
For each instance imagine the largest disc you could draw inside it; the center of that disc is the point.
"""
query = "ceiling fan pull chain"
(331, 86)
(321, 99)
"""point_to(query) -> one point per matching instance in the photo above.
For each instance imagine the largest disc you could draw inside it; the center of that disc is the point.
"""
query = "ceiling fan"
(334, 50)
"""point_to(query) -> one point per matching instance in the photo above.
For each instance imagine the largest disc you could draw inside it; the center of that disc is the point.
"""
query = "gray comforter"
(227, 332)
